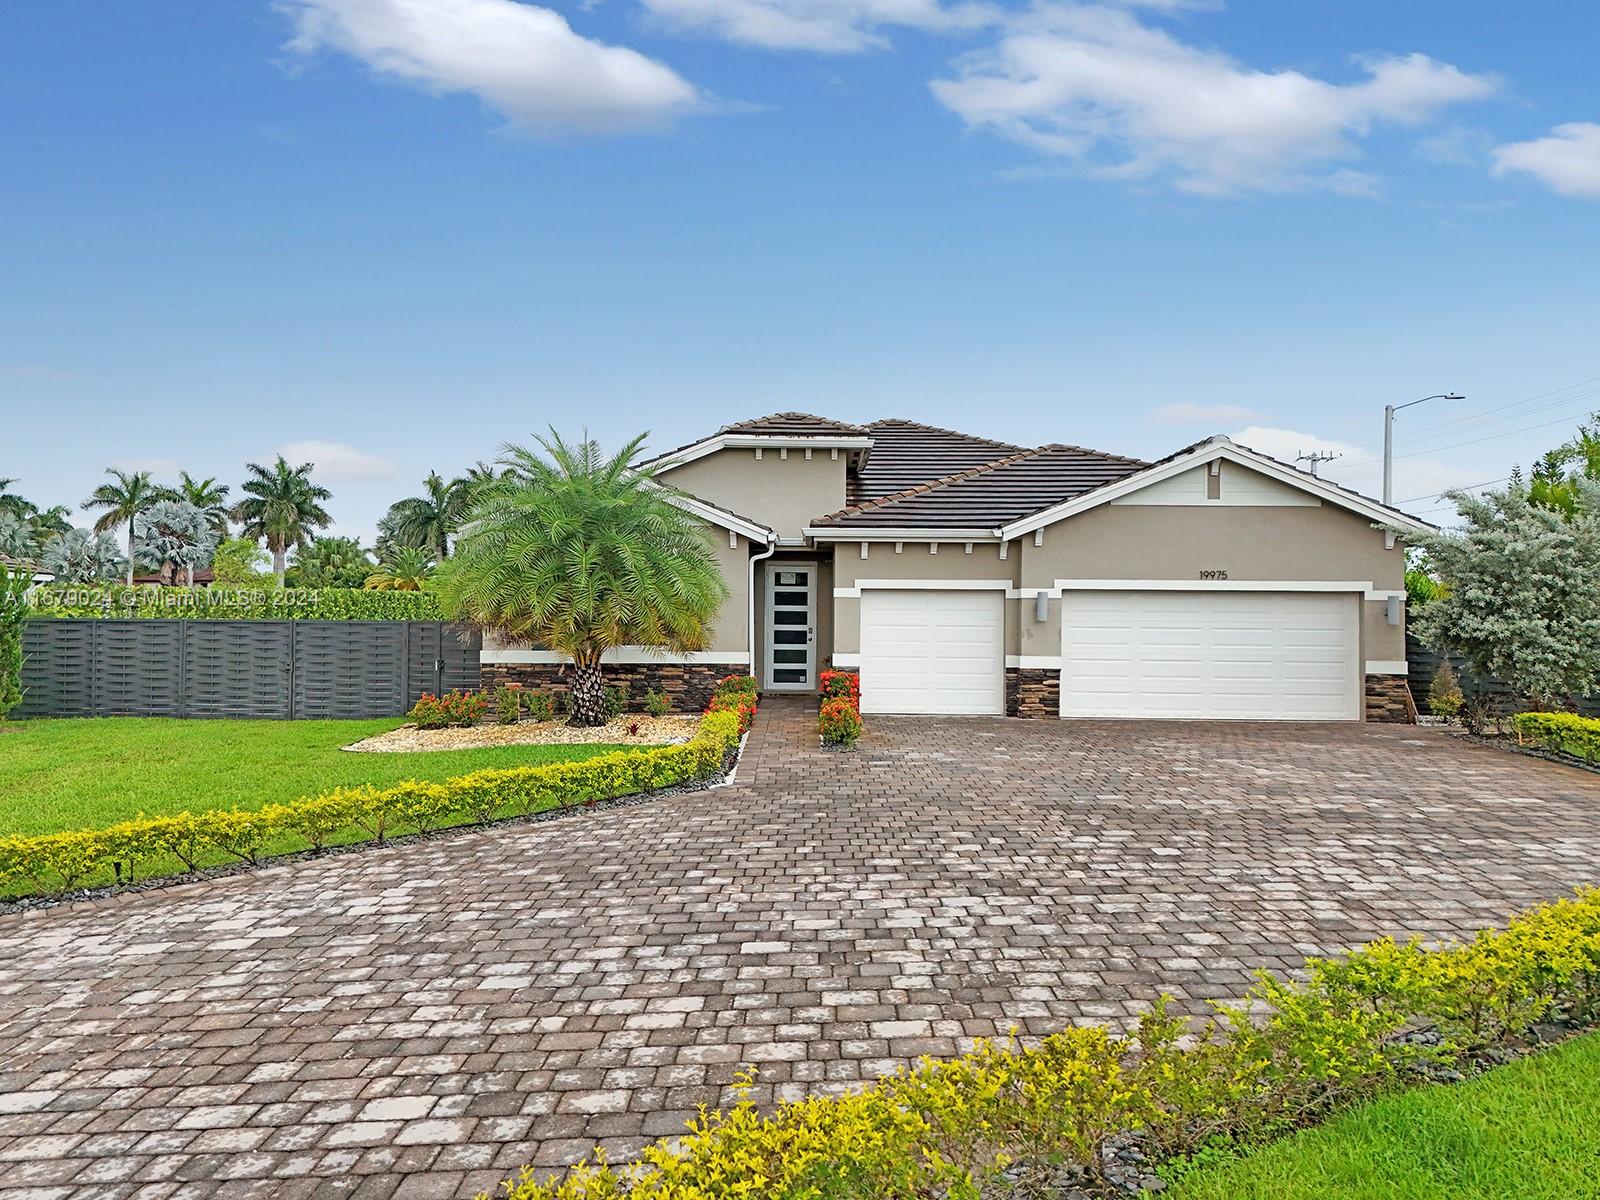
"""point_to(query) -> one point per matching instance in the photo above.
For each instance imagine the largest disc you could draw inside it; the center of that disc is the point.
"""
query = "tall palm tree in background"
(123, 499)
(282, 506)
(580, 554)
(209, 496)
(429, 521)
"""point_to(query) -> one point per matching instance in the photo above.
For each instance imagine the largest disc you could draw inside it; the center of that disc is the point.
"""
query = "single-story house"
(964, 575)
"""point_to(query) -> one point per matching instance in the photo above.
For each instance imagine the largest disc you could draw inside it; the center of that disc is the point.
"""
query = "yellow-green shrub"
(57, 862)
(1289, 1054)
(1566, 733)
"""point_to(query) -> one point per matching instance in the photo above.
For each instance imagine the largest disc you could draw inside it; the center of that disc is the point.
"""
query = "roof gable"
(1203, 452)
(796, 424)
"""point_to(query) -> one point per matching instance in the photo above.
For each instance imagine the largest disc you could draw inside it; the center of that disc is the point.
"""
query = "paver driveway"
(416, 1021)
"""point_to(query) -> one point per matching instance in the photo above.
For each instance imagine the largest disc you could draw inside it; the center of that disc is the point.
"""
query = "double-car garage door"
(1288, 656)
(1172, 654)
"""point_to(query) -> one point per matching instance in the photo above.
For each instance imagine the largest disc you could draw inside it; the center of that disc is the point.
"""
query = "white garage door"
(1288, 656)
(932, 652)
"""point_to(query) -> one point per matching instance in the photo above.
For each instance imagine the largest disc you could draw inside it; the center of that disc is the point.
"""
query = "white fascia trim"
(1388, 666)
(889, 533)
(1219, 448)
(1203, 585)
(752, 441)
(1037, 662)
(721, 517)
(1384, 596)
(847, 660)
(923, 585)
(624, 655)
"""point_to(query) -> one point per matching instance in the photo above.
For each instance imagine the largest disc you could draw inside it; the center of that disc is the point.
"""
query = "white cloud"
(518, 58)
(1360, 467)
(1204, 414)
(1119, 99)
(827, 25)
(1567, 160)
(338, 463)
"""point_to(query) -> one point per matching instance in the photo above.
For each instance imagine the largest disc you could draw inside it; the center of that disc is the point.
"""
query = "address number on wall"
(1213, 574)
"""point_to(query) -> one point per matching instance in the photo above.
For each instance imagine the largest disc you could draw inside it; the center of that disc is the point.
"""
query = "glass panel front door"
(791, 627)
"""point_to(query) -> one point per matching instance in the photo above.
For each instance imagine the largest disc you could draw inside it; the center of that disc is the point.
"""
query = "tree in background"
(239, 562)
(581, 553)
(429, 521)
(1521, 596)
(16, 535)
(123, 499)
(79, 556)
(13, 502)
(406, 569)
(13, 614)
(1556, 479)
(281, 507)
(209, 496)
(330, 562)
(174, 535)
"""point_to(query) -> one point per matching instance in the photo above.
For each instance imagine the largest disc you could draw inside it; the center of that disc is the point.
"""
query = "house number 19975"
(1213, 574)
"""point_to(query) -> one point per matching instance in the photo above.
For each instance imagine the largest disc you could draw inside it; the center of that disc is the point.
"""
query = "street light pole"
(1389, 411)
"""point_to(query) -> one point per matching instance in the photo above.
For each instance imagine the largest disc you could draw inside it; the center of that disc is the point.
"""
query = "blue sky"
(391, 234)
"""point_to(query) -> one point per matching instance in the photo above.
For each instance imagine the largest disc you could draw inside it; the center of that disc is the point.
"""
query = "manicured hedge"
(1007, 1120)
(231, 603)
(1566, 733)
(57, 862)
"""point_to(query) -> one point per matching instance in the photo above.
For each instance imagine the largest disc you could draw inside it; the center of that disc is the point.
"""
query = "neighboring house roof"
(905, 454)
(989, 496)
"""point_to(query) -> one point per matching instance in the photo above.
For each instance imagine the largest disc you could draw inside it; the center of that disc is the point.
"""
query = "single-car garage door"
(932, 651)
(1288, 656)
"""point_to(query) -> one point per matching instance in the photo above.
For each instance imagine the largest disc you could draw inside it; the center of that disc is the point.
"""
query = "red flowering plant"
(841, 684)
(743, 703)
(453, 708)
(839, 722)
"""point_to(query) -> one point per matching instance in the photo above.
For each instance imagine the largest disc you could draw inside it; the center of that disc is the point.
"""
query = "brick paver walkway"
(417, 1021)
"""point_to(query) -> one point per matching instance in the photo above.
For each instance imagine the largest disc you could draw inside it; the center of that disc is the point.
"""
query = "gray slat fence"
(277, 670)
(1422, 663)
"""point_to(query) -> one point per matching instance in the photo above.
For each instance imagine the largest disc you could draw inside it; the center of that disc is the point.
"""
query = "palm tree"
(581, 554)
(124, 499)
(430, 520)
(13, 502)
(407, 569)
(282, 506)
(1555, 482)
(331, 562)
(209, 496)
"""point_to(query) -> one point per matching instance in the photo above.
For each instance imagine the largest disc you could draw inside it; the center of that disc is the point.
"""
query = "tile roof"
(990, 495)
(907, 453)
(796, 424)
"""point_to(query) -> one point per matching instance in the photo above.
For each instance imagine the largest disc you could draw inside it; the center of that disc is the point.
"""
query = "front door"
(791, 627)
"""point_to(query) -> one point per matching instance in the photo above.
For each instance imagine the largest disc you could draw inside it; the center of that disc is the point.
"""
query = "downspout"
(750, 596)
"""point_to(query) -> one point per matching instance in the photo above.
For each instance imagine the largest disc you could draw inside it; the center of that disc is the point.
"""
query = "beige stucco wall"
(914, 562)
(784, 493)
(1321, 543)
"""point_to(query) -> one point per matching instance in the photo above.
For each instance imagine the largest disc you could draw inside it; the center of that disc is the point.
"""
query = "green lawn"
(1530, 1131)
(82, 774)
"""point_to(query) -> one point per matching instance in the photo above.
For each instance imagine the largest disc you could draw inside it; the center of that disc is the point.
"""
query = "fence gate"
(266, 669)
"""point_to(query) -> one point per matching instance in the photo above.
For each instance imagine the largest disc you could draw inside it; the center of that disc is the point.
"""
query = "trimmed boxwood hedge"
(1040, 1121)
(57, 862)
(1565, 733)
(231, 603)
